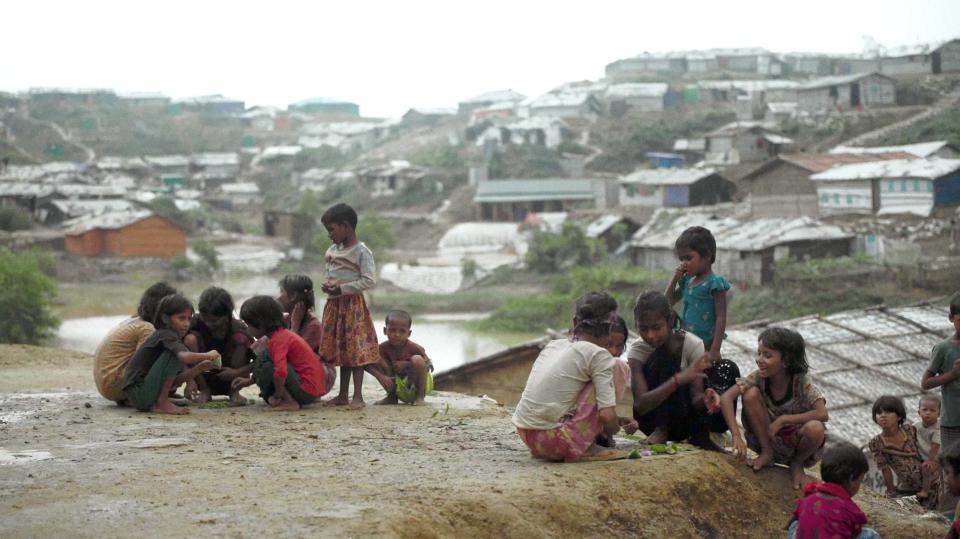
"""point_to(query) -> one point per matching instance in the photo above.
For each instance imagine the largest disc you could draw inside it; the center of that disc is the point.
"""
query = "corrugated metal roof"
(857, 356)
(569, 99)
(215, 159)
(731, 234)
(740, 126)
(919, 149)
(747, 85)
(241, 188)
(527, 190)
(819, 162)
(19, 189)
(601, 225)
(167, 160)
(667, 176)
(931, 169)
(692, 145)
(107, 221)
(496, 96)
(78, 208)
(637, 89)
(836, 80)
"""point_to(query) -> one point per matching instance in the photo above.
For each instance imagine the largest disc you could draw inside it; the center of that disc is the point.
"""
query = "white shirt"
(557, 377)
(692, 350)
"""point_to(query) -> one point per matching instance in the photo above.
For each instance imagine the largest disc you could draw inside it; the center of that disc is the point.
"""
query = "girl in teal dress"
(704, 296)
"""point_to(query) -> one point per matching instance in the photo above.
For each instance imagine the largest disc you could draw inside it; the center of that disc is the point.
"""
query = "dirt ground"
(74, 464)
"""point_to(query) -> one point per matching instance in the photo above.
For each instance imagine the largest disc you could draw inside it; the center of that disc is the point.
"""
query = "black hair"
(299, 288)
(700, 240)
(790, 345)
(593, 314)
(619, 325)
(651, 302)
(340, 214)
(397, 314)
(263, 313)
(950, 456)
(215, 301)
(955, 304)
(169, 306)
(889, 403)
(151, 298)
(930, 397)
(843, 463)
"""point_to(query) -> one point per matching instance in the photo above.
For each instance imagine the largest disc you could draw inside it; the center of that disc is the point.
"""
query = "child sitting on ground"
(404, 369)
(288, 372)
(950, 462)
(928, 438)
(349, 338)
(827, 509)
(704, 295)
(783, 412)
(158, 366)
(666, 370)
(215, 328)
(297, 300)
(896, 451)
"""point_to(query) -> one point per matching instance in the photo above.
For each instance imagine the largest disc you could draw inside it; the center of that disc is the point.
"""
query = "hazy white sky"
(391, 55)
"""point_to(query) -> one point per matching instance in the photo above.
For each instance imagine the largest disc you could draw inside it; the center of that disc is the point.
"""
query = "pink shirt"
(827, 512)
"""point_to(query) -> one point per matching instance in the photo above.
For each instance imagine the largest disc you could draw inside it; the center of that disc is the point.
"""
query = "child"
(215, 328)
(287, 371)
(666, 369)
(783, 412)
(118, 347)
(950, 461)
(703, 292)
(827, 509)
(296, 298)
(156, 368)
(349, 339)
(896, 451)
(571, 394)
(928, 438)
(944, 372)
(404, 370)
(618, 337)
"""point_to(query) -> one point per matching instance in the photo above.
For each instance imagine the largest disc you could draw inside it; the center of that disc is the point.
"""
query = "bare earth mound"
(454, 468)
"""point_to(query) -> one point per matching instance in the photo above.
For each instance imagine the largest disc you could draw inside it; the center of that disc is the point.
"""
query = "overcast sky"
(391, 55)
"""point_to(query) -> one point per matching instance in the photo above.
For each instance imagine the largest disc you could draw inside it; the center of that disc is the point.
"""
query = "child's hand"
(332, 290)
(956, 366)
(678, 273)
(205, 365)
(628, 425)
(930, 466)
(775, 426)
(240, 383)
(711, 400)
(739, 446)
(296, 315)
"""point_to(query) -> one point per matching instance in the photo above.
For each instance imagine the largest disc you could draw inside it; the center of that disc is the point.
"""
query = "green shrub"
(551, 252)
(12, 219)
(26, 293)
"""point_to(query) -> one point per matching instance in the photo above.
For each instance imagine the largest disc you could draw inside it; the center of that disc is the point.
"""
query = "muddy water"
(445, 337)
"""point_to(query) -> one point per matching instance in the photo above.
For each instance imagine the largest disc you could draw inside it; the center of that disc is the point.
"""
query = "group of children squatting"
(683, 390)
(277, 343)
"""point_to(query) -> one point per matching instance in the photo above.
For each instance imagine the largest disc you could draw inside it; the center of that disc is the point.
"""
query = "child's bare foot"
(923, 495)
(658, 436)
(236, 399)
(419, 402)
(167, 407)
(389, 399)
(597, 453)
(338, 401)
(798, 476)
(357, 404)
(762, 461)
(285, 405)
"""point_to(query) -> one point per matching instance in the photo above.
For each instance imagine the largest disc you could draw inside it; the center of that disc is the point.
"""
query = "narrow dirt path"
(948, 101)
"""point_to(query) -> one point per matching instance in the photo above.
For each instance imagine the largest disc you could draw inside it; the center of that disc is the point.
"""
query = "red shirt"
(286, 347)
(391, 354)
(828, 512)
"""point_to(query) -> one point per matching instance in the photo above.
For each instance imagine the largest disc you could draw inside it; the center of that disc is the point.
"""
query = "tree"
(26, 293)
(550, 252)
(12, 219)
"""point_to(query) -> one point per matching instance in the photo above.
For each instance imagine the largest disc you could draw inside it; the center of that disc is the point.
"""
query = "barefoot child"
(349, 339)
(783, 412)
(666, 373)
(215, 328)
(404, 370)
(827, 509)
(897, 453)
(928, 438)
(158, 366)
(288, 372)
(296, 298)
(571, 394)
(704, 295)
(118, 347)
(950, 462)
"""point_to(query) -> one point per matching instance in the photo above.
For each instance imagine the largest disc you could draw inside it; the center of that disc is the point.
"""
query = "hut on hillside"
(126, 234)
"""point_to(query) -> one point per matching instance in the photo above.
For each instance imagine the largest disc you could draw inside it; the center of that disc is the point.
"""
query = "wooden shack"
(126, 234)
(294, 226)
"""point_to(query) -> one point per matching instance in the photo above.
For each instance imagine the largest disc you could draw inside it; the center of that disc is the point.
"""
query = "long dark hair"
(299, 288)
(215, 301)
(595, 313)
(169, 306)
(651, 302)
(790, 345)
(263, 313)
(151, 298)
